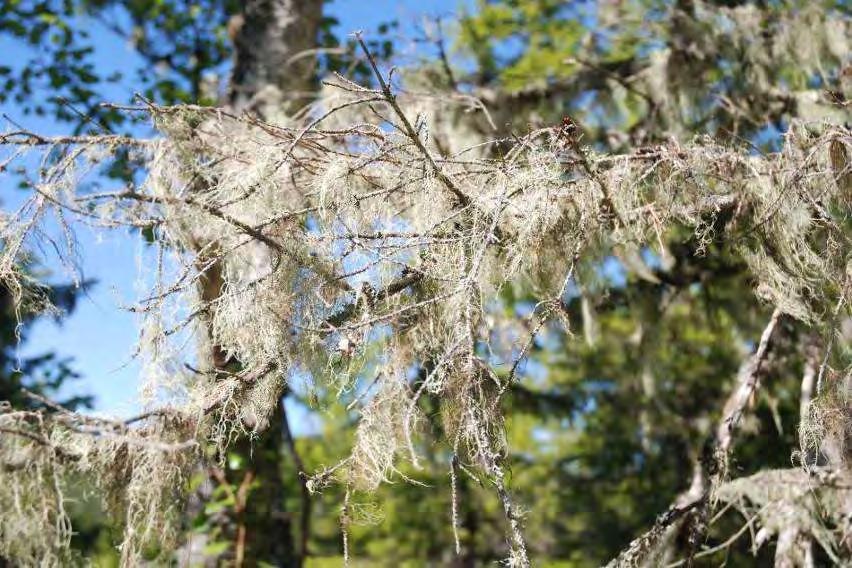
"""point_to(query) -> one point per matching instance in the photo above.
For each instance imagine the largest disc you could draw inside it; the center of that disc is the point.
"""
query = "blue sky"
(98, 336)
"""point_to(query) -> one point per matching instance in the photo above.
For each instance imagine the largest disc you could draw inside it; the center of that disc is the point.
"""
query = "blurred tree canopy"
(638, 71)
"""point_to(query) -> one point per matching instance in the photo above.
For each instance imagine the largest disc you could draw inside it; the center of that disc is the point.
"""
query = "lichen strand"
(333, 237)
(140, 476)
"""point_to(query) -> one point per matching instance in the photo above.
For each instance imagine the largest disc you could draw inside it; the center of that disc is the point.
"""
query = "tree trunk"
(273, 69)
(274, 59)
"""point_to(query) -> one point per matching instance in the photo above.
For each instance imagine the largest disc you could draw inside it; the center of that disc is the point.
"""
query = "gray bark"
(275, 43)
(274, 69)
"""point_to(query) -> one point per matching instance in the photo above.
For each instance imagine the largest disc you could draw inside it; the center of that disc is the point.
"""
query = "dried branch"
(714, 469)
(748, 379)
(27, 138)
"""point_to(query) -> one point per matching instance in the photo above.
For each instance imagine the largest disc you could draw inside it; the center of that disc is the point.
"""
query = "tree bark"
(274, 59)
(273, 68)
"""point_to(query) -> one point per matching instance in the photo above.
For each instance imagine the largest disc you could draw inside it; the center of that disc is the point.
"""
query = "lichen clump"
(293, 247)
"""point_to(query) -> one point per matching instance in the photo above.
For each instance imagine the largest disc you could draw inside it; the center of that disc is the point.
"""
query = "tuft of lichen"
(292, 247)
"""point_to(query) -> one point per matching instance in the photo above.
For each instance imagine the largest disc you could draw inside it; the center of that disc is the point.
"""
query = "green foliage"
(651, 67)
(59, 77)
(182, 41)
(525, 43)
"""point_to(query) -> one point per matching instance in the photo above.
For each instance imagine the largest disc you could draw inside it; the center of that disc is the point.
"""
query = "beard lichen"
(323, 237)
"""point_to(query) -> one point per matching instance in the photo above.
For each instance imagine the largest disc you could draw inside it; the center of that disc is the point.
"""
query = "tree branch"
(714, 469)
